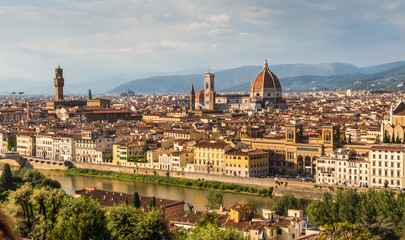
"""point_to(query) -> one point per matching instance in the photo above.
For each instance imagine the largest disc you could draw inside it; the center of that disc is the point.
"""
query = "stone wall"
(299, 189)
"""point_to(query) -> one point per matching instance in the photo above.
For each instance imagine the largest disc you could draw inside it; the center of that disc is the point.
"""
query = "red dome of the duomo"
(265, 79)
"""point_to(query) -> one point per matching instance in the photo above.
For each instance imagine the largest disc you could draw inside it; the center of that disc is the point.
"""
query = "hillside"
(294, 77)
(391, 79)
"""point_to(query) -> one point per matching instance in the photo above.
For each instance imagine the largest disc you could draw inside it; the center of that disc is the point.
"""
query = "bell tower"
(294, 133)
(59, 82)
(192, 98)
(208, 88)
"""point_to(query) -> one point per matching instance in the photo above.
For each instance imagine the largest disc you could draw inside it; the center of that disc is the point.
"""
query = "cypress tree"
(6, 178)
(397, 140)
(136, 201)
(393, 138)
(152, 203)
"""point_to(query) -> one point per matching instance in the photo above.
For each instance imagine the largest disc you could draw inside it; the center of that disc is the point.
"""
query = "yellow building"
(241, 212)
(246, 163)
(127, 153)
(209, 157)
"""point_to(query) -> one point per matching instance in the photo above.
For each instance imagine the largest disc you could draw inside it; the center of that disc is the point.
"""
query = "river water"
(196, 197)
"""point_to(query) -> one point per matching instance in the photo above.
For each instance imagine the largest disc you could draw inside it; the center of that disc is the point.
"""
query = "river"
(197, 197)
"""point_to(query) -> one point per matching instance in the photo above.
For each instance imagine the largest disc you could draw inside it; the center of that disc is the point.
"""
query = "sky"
(94, 39)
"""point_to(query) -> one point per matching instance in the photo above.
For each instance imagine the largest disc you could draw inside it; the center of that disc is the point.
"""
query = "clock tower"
(59, 83)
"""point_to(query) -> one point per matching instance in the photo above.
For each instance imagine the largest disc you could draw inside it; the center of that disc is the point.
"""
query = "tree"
(190, 207)
(215, 199)
(89, 95)
(320, 211)
(152, 203)
(344, 231)
(393, 138)
(136, 201)
(153, 226)
(123, 221)
(145, 148)
(12, 142)
(81, 218)
(380, 228)
(212, 232)
(285, 202)
(6, 179)
(350, 139)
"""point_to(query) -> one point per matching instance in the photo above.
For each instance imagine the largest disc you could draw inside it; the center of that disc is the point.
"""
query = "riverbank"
(174, 181)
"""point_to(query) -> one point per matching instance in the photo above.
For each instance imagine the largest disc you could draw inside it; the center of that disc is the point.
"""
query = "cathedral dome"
(265, 79)
(200, 96)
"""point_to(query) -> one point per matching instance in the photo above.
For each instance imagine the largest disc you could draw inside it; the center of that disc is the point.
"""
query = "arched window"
(327, 136)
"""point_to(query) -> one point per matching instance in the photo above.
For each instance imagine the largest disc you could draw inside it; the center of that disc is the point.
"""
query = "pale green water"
(196, 197)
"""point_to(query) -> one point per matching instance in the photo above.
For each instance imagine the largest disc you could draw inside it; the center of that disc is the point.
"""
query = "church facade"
(265, 93)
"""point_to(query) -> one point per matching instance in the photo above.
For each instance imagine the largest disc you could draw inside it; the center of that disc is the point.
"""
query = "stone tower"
(59, 83)
(208, 87)
(192, 98)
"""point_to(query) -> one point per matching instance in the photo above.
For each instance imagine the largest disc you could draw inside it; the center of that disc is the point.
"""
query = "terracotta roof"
(109, 198)
(265, 79)
(393, 147)
(200, 95)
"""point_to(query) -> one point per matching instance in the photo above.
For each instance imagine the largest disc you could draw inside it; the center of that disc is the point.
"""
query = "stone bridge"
(41, 163)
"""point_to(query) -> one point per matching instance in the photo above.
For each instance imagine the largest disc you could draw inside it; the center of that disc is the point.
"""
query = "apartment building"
(26, 144)
(343, 168)
(44, 146)
(387, 166)
(209, 157)
(246, 163)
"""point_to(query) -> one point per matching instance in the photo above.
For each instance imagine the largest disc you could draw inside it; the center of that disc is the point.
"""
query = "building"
(387, 166)
(26, 144)
(265, 92)
(296, 152)
(246, 163)
(44, 146)
(209, 157)
(171, 209)
(127, 152)
(343, 168)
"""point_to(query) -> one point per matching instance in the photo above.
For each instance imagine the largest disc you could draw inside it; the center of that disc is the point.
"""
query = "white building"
(44, 146)
(387, 166)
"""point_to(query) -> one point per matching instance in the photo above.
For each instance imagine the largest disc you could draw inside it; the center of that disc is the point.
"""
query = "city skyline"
(94, 39)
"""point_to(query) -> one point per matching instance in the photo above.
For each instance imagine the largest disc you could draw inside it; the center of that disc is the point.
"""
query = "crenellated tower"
(59, 82)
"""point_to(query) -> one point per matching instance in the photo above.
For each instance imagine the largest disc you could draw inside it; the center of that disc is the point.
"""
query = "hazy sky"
(98, 38)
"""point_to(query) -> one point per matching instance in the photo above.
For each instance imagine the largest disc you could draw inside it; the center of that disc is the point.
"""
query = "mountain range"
(293, 77)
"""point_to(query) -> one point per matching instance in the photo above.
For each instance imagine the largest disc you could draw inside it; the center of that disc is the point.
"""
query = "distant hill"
(391, 79)
(294, 77)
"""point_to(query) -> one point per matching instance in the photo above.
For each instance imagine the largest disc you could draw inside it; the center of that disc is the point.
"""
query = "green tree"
(152, 203)
(380, 228)
(215, 199)
(12, 142)
(145, 148)
(285, 202)
(81, 218)
(393, 138)
(123, 221)
(153, 226)
(6, 179)
(136, 201)
(212, 232)
(349, 206)
(344, 231)
(320, 211)
(89, 95)
(350, 139)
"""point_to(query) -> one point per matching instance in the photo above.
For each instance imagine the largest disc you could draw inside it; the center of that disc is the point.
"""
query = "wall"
(299, 189)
